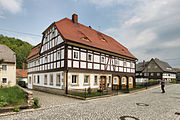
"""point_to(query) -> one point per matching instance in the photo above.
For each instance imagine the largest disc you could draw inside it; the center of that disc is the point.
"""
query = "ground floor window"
(29, 80)
(51, 79)
(115, 80)
(34, 79)
(38, 81)
(130, 80)
(109, 79)
(123, 80)
(74, 79)
(86, 79)
(4, 80)
(95, 80)
(45, 79)
(58, 80)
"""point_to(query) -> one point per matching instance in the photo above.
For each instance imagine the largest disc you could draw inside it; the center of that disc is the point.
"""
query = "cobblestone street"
(48, 100)
(159, 107)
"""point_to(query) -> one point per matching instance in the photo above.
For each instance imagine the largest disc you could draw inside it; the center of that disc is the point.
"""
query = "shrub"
(3, 101)
(89, 90)
(16, 109)
(36, 103)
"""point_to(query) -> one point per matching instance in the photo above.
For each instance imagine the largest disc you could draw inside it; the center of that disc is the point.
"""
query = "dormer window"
(85, 38)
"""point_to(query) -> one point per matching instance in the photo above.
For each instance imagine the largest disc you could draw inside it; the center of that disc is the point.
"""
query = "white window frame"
(76, 55)
(123, 80)
(90, 60)
(2, 80)
(115, 80)
(116, 62)
(130, 80)
(87, 80)
(6, 68)
(102, 59)
(72, 79)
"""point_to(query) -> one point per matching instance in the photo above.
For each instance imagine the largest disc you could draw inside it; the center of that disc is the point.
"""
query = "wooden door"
(103, 82)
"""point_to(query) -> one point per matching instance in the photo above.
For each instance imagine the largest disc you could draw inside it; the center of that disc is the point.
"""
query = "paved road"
(161, 107)
(48, 100)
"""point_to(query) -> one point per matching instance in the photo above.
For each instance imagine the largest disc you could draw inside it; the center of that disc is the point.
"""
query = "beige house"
(7, 66)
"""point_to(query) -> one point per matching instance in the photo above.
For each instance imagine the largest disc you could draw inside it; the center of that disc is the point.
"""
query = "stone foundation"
(49, 90)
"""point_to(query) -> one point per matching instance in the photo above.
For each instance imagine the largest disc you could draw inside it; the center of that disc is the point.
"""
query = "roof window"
(101, 36)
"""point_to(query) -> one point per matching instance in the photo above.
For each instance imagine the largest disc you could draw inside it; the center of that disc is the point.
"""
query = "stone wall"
(29, 94)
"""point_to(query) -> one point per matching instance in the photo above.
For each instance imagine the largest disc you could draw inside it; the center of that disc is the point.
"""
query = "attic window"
(123, 50)
(85, 38)
(103, 39)
(101, 36)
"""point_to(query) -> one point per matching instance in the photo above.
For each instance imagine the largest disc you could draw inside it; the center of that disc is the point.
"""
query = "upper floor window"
(75, 55)
(58, 55)
(4, 67)
(115, 62)
(152, 74)
(155, 66)
(102, 59)
(89, 57)
(125, 64)
(158, 74)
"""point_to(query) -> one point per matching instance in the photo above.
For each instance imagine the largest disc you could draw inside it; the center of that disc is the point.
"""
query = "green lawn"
(12, 96)
(93, 94)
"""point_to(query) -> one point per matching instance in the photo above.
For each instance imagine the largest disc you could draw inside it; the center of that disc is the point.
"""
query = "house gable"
(152, 67)
(51, 38)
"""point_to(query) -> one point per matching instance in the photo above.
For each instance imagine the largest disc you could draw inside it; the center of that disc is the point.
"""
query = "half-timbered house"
(154, 69)
(73, 56)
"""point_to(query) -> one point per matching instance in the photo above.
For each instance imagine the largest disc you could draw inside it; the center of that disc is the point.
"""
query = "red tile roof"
(21, 72)
(85, 35)
(35, 51)
(178, 70)
(75, 32)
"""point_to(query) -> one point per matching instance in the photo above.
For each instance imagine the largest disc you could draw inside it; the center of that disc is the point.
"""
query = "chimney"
(144, 63)
(23, 66)
(75, 18)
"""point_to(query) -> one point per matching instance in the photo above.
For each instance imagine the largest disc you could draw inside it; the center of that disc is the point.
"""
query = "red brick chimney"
(23, 66)
(75, 18)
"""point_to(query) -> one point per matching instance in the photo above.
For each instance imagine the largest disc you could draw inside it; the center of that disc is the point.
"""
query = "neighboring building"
(154, 69)
(73, 56)
(178, 74)
(21, 74)
(7, 66)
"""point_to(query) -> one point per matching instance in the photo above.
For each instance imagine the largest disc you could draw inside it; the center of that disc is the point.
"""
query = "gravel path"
(48, 100)
(161, 107)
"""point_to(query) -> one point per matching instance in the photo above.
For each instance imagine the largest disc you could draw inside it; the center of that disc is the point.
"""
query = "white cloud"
(12, 6)
(174, 43)
(150, 28)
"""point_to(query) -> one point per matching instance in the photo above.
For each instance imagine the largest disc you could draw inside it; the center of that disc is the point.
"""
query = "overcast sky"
(148, 28)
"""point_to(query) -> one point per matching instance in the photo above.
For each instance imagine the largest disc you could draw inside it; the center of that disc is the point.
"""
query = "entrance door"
(103, 82)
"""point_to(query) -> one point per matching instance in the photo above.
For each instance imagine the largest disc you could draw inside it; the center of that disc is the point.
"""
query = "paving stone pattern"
(161, 107)
(48, 100)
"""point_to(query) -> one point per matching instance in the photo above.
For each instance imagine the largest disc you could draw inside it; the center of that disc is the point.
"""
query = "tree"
(21, 48)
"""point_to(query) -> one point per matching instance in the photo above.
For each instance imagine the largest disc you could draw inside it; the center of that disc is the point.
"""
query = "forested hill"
(21, 48)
